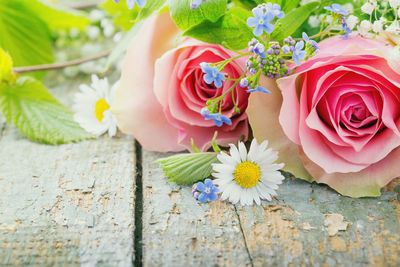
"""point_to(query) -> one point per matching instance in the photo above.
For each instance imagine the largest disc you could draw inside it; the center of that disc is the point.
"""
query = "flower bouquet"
(323, 106)
(253, 89)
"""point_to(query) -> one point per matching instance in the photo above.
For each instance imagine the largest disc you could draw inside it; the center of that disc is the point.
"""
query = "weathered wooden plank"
(68, 205)
(179, 232)
(297, 229)
(293, 230)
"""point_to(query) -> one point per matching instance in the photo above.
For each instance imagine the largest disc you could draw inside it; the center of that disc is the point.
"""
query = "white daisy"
(92, 107)
(248, 177)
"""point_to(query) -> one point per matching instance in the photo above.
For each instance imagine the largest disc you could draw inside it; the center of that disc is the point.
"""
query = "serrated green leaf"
(37, 114)
(293, 20)
(230, 30)
(185, 17)
(24, 34)
(59, 17)
(186, 169)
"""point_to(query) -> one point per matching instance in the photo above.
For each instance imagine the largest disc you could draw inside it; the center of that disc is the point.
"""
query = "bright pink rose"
(342, 111)
(162, 90)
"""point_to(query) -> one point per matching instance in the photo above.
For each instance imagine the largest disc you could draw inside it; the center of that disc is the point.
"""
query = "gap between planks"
(138, 210)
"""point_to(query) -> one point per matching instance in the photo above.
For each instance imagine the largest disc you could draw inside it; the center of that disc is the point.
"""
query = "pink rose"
(341, 112)
(162, 90)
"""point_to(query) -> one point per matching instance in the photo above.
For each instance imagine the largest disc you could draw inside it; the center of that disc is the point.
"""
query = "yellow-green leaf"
(186, 169)
(6, 65)
(37, 114)
(23, 34)
(59, 17)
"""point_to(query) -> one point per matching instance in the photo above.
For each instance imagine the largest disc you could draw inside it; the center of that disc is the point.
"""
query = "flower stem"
(63, 65)
(229, 60)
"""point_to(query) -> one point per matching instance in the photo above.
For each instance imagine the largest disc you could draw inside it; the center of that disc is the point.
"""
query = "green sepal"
(187, 169)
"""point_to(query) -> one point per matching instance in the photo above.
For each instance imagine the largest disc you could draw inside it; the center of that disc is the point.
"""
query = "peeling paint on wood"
(290, 231)
(69, 205)
(277, 237)
(73, 205)
(177, 231)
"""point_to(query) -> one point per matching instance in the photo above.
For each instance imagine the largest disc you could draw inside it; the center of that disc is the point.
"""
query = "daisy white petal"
(255, 195)
(225, 158)
(234, 153)
(263, 193)
(92, 108)
(235, 194)
(227, 191)
(222, 183)
(224, 168)
(248, 176)
(253, 151)
(242, 151)
(222, 176)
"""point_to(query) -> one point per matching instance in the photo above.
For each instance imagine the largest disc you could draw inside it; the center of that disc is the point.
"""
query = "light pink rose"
(162, 90)
(341, 112)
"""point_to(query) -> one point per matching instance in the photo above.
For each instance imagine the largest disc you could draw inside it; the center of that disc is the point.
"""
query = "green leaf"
(149, 9)
(37, 114)
(293, 20)
(6, 68)
(185, 17)
(23, 34)
(248, 4)
(186, 169)
(58, 17)
(122, 16)
(230, 30)
(289, 5)
(279, 2)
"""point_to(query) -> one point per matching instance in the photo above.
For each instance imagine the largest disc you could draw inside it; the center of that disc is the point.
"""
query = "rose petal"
(366, 183)
(135, 104)
(263, 112)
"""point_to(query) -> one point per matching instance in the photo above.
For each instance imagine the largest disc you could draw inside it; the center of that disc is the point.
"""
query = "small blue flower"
(259, 49)
(218, 118)
(276, 10)
(212, 75)
(286, 49)
(196, 3)
(346, 29)
(261, 21)
(337, 9)
(313, 43)
(298, 53)
(244, 83)
(258, 89)
(205, 192)
(131, 3)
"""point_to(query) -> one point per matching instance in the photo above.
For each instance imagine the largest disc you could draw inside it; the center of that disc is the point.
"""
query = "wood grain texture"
(179, 232)
(292, 230)
(69, 205)
(289, 231)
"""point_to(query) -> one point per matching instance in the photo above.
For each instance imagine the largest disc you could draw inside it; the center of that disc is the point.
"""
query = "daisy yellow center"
(100, 107)
(247, 174)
